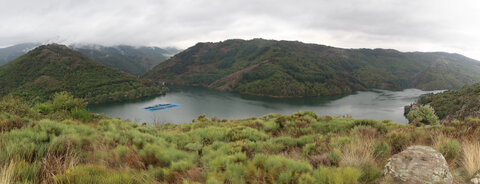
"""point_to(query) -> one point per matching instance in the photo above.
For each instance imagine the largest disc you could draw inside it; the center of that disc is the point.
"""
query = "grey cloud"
(424, 25)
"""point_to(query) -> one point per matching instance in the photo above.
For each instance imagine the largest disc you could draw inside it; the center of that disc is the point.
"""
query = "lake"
(194, 101)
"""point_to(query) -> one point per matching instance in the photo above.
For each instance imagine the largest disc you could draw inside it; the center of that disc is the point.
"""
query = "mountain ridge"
(296, 69)
(135, 60)
(53, 68)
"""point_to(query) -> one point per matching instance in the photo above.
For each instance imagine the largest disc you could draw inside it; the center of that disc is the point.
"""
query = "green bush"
(450, 149)
(279, 169)
(235, 173)
(240, 133)
(334, 175)
(382, 151)
(425, 114)
(370, 174)
(334, 157)
(44, 108)
(81, 114)
(194, 146)
(99, 174)
(398, 141)
(65, 101)
(121, 150)
(160, 155)
(311, 149)
(26, 172)
(380, 127)
(332, 126)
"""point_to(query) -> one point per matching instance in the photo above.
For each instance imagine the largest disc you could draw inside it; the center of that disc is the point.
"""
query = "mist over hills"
(130, 59)
(295, 69)
(52, 68)
(133, 60)
(10, 53)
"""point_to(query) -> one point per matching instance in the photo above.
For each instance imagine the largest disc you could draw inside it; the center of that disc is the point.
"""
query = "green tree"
(425, 114)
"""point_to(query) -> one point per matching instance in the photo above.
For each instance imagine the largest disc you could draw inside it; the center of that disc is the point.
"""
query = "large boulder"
(418, 165)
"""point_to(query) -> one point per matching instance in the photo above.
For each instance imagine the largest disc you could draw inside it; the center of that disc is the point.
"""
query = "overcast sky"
(414, 25)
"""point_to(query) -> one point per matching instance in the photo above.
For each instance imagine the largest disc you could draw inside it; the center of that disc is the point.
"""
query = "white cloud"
(423, 25)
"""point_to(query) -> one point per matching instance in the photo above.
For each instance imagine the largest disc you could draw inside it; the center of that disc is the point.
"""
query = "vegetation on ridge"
(133, 60)
(458, 104)
(53, 68)
(58, 141)
(295, 69)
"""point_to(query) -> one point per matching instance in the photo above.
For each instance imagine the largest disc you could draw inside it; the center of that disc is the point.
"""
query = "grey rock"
(476, 179)
(418, 165)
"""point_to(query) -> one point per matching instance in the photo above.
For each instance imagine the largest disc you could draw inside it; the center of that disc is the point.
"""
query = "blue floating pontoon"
(160, 107)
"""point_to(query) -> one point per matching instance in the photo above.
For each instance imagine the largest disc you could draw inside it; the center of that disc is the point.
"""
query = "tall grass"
(7, 173)
(471, 156)
(358, 154)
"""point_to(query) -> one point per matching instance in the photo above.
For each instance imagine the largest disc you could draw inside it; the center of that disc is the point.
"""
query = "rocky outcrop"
(476, 179)
(418, 165)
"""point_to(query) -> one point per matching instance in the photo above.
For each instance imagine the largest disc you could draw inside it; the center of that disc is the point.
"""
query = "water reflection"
(375, 104)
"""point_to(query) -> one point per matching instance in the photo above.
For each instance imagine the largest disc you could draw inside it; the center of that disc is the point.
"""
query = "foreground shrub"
(450, 149)
(240, 133)
(381, 151)
(370, 174)
(99, 174)
(380, 127)
(398, 141)
(340, 175)
(471, 157)
(277, 169)
(32, 143)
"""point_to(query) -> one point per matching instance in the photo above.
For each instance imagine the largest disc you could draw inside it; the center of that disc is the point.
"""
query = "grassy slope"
(59, 141)
(288, 68)
(455, 104)
(52, 68)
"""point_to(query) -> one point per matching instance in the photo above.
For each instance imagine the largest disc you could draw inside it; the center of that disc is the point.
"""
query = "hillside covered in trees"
(52, 68)
(294, 69)
(133, 60)
(455, 104)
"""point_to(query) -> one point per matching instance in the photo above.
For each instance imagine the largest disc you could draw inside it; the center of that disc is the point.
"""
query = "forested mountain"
(133, 60)
(130, 59)
(294, 69)
(52, 68)
(8, 54)
(455, 104)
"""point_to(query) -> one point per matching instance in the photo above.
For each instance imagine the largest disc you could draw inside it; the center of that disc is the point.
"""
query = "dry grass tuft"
(359, 154)
(319, 160)
(471, 157)
(55, 163)
(6, 173)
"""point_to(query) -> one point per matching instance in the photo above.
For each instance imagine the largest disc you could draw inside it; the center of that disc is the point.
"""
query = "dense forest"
(293, 69)
(459, 104)
(52, 68)
(133, 60)
(58, 141)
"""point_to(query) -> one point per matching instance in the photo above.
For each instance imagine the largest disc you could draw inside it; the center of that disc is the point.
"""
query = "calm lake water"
(375, 104)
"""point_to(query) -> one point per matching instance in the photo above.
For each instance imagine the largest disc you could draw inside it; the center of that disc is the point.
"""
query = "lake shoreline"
(375, 104)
